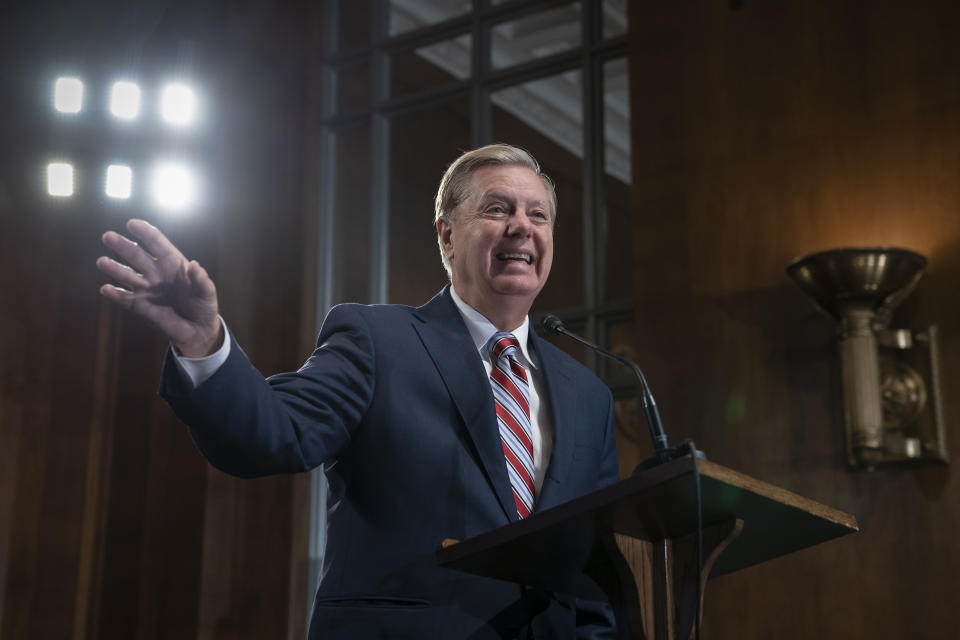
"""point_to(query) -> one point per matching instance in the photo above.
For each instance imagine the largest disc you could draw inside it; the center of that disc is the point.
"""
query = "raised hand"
(158, 283)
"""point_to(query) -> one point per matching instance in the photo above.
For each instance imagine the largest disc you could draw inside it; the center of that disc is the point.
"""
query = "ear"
(445, 233)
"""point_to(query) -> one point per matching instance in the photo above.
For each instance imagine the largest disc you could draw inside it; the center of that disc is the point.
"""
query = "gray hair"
(455, 185)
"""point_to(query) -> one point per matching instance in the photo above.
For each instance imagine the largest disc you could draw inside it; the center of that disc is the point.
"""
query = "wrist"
(205, 343)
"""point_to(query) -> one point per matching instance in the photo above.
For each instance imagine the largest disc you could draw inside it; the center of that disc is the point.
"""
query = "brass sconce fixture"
(891, 385)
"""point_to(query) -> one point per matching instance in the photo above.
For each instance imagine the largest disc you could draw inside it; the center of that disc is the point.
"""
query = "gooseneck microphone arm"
(661, 449)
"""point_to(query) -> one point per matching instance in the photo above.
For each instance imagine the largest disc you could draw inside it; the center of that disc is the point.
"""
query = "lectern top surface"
(656, 504)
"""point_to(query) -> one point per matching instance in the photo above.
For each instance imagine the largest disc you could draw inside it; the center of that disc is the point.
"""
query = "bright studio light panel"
(173, 187)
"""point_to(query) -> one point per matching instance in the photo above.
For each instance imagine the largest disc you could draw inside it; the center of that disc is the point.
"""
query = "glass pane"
(352, 171)
(355, 29)
(614, 18)
(631, 428)
(353, 87)
(417, 162)
(620, 334)
(546, 118)
(431, 66)
(573, 348)
(537, 35)
(616, 130)
(407, 15)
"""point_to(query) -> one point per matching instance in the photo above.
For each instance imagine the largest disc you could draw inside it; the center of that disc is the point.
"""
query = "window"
(409, 84)
(431, 78)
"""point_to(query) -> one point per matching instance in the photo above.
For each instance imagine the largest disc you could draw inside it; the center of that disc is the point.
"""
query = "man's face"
(500, 242)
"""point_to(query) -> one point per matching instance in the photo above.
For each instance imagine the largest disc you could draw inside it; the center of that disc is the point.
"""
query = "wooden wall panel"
(111, 523)
(762, 133)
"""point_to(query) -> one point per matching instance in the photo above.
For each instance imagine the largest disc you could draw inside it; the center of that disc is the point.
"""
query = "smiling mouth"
(515, 257)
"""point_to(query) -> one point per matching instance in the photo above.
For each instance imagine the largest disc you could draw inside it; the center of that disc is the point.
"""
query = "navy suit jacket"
(395, 402)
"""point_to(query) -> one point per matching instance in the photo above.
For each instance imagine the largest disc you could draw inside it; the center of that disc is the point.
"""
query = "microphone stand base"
(668, 454)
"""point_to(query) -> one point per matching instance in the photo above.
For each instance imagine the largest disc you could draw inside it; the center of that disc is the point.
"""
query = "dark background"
(761, 131)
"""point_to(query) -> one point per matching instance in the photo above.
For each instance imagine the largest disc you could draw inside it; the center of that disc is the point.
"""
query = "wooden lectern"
(635, 542)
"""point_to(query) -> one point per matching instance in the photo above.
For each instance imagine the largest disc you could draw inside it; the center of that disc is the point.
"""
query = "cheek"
(546, 253)
(545, 271)
(481, 246)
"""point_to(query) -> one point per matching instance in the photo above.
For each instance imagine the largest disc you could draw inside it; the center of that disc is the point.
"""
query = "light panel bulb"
(174, 187)
(60, 179)
(119, 181)
(178, 104)
(125, 100)
(68, 95)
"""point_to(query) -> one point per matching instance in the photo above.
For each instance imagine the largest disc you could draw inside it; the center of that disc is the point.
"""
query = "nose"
(519, 224)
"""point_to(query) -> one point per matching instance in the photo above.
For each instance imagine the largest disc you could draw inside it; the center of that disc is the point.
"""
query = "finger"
(153, 240)
(131, 253)
(123, 274)
(200, 282)
(117, 295)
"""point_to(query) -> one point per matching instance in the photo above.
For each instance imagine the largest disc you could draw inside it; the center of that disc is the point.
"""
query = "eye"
(496, 208)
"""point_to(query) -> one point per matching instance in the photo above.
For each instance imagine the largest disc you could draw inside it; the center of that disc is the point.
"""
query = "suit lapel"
(446, 339)
(558, 382)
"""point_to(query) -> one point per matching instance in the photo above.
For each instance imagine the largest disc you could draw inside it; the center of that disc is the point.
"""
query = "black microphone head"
(551, 324)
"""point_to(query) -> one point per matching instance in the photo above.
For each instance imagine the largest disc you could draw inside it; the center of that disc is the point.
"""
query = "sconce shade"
(867, 278)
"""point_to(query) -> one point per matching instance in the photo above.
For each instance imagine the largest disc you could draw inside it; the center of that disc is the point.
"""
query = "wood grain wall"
(111, 523)
(763, 131)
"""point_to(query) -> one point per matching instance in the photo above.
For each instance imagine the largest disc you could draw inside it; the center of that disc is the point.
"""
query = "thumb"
(199, 280)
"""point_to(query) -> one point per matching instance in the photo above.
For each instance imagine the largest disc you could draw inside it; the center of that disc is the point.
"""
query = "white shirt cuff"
(199, 370)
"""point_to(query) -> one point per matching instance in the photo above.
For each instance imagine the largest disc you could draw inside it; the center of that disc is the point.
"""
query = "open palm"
(158, 283)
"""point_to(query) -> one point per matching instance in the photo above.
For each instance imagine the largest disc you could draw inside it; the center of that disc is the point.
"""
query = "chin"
(518, 288)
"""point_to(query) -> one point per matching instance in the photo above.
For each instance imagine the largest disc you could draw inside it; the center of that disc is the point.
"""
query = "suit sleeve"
(249, 426)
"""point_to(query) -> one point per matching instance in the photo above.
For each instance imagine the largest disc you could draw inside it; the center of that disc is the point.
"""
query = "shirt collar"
(482, 329)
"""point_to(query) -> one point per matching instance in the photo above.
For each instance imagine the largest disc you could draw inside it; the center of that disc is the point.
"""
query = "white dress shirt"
(199, 370)
(481, 330)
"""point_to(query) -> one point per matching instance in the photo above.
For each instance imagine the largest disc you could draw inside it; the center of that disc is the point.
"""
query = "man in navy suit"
(396, 403)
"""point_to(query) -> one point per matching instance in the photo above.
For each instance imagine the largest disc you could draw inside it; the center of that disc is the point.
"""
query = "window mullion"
(380, 159)
(480, 124)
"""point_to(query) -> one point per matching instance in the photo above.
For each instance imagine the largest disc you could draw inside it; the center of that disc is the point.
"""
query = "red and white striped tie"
(511, 394)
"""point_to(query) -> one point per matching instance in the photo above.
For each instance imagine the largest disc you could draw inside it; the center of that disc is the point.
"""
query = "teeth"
(526, 257)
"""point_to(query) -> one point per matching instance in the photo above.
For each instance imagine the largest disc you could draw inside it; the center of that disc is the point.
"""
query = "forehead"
(515, 182)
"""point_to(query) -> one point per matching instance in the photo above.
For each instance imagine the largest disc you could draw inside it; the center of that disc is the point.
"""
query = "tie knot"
(502, 344)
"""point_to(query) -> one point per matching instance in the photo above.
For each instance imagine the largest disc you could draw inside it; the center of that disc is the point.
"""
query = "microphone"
(662, 452)
(661, 449)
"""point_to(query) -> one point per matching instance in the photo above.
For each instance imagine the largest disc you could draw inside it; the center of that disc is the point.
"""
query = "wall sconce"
(891, 383)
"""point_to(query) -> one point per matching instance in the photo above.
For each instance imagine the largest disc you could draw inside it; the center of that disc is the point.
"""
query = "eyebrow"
(497, 195)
